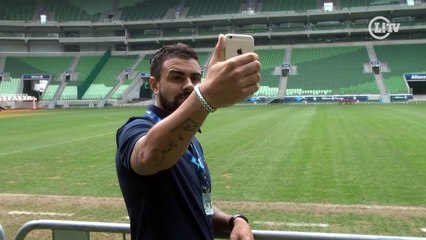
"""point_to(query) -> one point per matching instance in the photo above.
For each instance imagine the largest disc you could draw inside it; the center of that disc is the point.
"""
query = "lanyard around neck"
(195, 160)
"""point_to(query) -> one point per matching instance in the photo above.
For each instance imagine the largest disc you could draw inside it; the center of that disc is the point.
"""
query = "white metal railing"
(124, 229)
(2, 233)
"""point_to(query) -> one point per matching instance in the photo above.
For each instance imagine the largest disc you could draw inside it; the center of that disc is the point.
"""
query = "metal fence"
(79, 230)
(2, 233)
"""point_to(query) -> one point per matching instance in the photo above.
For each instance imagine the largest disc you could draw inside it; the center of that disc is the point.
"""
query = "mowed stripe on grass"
(364, 155)
(335, 154)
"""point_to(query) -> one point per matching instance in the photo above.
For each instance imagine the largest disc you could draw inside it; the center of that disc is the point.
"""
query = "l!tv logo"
(380, 27)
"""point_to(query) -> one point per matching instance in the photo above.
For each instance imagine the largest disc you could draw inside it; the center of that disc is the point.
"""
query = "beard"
(171, 106)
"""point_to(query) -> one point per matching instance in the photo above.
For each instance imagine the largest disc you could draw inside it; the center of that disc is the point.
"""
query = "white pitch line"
(41, 213)
(52, 144)
(290, 224)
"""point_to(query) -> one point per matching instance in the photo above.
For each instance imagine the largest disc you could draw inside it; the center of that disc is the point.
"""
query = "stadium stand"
(144, 65)
(50, 91)
(330, 70)
(401, 59)
(271, 59)
(108, 77)
(55, 66)
(203, 58)
(82, 30)
(18, 10)
(363, 3)
(70, 93)
(64, 11)
(326, 51)
(121, 89)
(290, 5)
(84, 66)
(211, 7)
(141, 67)
(153, 9)
(9, 88)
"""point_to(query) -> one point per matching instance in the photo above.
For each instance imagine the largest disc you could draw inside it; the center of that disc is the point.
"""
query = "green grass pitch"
(330, 154)
(336, 154)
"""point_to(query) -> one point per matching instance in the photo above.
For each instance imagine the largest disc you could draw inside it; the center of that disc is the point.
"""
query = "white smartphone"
(237, 44)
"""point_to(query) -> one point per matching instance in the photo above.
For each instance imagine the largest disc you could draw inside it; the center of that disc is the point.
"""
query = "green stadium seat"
(330, 70)
(50, 91)
(211, 7)
(270, 58)
(400, 59)
(107, 77)
(10, 87)
(55, 66)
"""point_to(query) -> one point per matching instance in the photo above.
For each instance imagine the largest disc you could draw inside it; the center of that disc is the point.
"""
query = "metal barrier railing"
(87, 227)
(2, 233)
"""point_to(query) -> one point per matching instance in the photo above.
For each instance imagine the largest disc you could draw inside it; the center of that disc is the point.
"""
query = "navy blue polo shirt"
(165, 205)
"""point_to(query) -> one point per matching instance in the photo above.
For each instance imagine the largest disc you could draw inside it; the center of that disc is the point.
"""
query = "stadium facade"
(96, 53)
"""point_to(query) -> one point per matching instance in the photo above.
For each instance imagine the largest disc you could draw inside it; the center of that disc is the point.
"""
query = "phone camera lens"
(230, 37)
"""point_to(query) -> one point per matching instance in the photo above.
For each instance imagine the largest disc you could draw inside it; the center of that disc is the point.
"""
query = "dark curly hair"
(179, 50)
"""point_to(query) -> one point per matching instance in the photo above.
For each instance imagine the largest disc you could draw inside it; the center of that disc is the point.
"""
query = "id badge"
(208, 206)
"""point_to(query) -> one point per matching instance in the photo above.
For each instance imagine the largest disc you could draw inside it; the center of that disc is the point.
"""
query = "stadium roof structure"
(279, 27)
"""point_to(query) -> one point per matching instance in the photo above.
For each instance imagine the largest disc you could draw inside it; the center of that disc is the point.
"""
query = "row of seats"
(50, 91)
(270, 59)
(363, 3)
(151, 9)
(16, 98)
(401, 59)
(118, 94)
(22, 10)
(321, 68)
(328, 70)
(211, 7)
(143, 67)
(69, 93)
(85, 66)
(52, 65)
(63, 11)
(288, 5)
(267, 91)
(9, 87)
(97, 91)
(299, 91)
(73, 10)
(107, 77)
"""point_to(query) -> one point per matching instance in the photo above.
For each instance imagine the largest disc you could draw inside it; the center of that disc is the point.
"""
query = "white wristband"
(203, 102)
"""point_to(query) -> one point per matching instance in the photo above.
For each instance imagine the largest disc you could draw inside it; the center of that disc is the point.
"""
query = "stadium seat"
(270, 81)
(331, 70)
(10, 87)
(412, 63)
(151, 9)
(17, 66)
(210, 7)
(21, 10)
(50, 91)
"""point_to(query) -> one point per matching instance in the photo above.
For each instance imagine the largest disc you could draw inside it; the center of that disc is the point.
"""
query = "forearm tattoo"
(183, 131)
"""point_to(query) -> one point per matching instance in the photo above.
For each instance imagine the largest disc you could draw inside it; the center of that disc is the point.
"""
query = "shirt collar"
(161, 113)
(158, 111)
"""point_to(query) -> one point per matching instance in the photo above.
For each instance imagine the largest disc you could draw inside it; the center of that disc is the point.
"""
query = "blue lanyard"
(197, 161)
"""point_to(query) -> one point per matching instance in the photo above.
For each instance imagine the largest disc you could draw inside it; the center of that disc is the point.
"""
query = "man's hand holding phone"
(237, 77)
